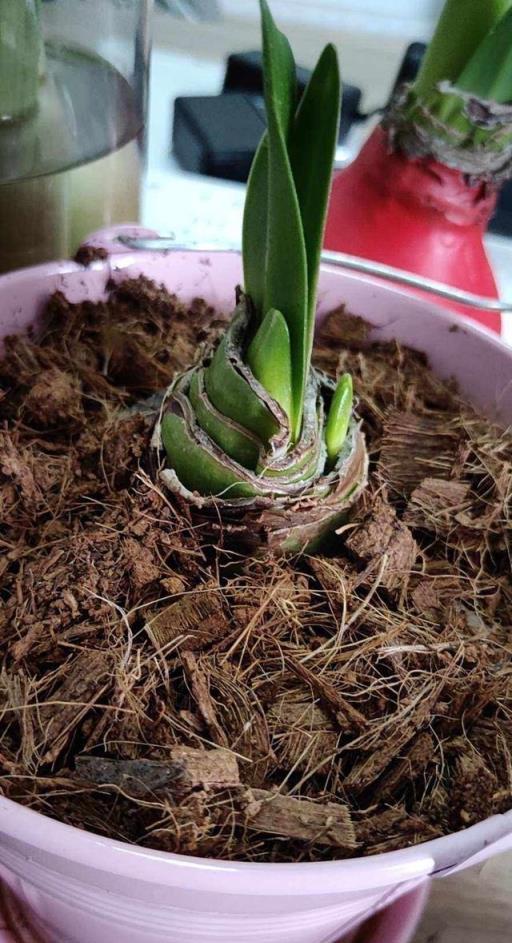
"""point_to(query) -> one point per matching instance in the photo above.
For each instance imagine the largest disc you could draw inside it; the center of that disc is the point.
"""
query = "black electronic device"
(217, 135)
(410, 64)
(244, 73)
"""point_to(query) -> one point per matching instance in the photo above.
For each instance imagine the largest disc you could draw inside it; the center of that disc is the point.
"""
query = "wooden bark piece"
(437, 588)
(87, 681)
(336, 580)
(186, 769)
(420, 753)
(369, 768)
(348, 718)
(193, 621)
(384, 534)
(339, 331)
(303, 735)
(201, 694)
(434, 503)
(385, 831)
(327, 823)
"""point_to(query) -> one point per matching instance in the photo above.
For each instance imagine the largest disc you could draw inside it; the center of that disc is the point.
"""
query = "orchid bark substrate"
(246, 705)
(159, 690)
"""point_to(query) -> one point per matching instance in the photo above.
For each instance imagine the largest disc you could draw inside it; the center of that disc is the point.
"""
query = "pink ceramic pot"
(80, 888)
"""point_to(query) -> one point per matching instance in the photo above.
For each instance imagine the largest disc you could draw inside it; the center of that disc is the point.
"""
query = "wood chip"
(414, 447)
(186, 769)
(336, 580)
(141, 563)
(348, 718)
(382, 533)
(339, 331)
(14, 465)
(303, 735)
(325, 823)
(414, 760)
(368, 769)
(201, 693)
(194, 621)
(392, 828)
(87, 681)
(472, 788)
(434, 503)
(437, 589)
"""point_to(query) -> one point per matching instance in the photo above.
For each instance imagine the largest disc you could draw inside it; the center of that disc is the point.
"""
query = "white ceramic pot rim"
(89, 850)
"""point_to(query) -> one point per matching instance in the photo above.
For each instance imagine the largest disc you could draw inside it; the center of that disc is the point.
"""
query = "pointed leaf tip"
(339, 417)
(269, 357)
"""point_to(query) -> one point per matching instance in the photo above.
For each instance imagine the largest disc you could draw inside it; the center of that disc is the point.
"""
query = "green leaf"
(461, 28)
(281, 86)
(279, 71)
(339, 417)
(232, 395)
(237, 442)
(286, 269)
(312, 147)
(269, 357)
(196, 467)
(254, 228)
(488, 73)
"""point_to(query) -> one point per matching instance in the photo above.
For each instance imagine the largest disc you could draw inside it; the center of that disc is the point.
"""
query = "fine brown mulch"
(157, 689)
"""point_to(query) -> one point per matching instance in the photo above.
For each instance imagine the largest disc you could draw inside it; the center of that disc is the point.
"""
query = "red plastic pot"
(416, 215)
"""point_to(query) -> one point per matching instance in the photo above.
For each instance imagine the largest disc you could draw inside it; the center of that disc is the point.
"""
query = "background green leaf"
(461, 28)
(488, 73)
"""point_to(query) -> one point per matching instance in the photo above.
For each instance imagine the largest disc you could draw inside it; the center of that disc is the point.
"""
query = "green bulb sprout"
(259, 443)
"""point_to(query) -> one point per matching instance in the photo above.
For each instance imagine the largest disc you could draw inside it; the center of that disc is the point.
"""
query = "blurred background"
(205, 114)
(83, 145)
(193, 40)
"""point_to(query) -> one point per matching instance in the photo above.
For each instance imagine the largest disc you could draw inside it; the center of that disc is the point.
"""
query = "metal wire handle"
(341, 259)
